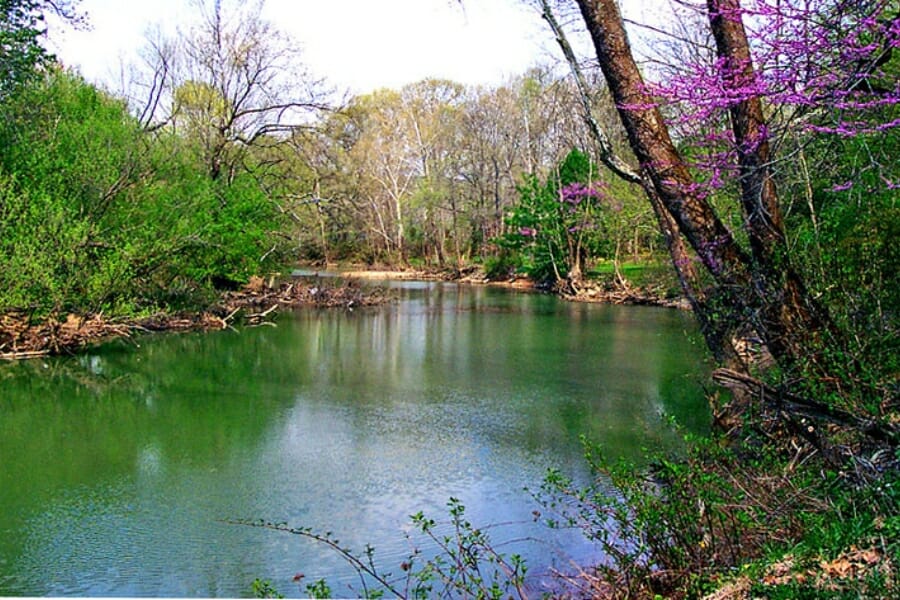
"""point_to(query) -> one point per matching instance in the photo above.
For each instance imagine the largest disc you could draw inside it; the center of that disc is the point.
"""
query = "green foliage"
(263, 589)
(96, 214)
(319, 589)
(21, 53)
(558, 224)
(39, 245)
(846, 238)
(502, 266)
(683, 524)
(849, 551)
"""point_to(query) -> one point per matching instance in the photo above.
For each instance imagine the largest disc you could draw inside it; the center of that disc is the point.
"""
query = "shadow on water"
(117, 467)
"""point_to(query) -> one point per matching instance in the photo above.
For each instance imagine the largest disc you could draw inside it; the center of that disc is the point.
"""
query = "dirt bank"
(589, 291)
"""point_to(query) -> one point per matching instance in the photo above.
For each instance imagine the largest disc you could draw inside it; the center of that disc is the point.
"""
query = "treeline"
(224, 160)
(429, 174)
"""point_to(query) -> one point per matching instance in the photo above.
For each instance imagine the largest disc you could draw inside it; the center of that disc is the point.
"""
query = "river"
(120, 468)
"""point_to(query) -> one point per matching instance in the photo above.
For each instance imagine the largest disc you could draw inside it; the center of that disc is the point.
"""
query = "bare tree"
(231, 82)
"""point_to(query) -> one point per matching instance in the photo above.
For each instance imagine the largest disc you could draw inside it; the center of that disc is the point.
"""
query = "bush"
(763, 503)
(557, 225)
(96, 214)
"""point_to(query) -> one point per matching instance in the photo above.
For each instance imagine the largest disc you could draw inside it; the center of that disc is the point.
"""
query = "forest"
(747, 164)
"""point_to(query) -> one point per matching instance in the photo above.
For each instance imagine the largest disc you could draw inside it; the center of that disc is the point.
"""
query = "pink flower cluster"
(575, 193)
(818, 65)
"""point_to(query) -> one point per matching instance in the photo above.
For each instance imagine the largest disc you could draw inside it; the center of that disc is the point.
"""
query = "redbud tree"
(558, 224)
(775, 69)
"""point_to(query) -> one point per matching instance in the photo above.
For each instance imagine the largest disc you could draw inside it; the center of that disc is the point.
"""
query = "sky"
(356, 45)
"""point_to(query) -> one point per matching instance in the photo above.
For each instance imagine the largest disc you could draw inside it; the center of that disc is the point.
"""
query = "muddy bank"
(588, 291)
(23, 337)
(592, 292)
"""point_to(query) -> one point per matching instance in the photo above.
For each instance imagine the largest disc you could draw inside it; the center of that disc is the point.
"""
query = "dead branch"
(793, 404)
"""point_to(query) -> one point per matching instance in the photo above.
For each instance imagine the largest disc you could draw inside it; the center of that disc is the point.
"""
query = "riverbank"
(589, 291)
(24, 337)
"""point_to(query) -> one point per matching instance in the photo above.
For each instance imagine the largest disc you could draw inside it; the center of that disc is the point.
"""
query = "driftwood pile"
(321, 293)
(639, 296)
(23, 337)
(20, 338)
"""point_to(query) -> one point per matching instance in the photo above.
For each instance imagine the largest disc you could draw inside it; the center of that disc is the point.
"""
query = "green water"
(118, 467)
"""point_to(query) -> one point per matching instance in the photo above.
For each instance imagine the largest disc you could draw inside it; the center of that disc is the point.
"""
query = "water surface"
(118, 468)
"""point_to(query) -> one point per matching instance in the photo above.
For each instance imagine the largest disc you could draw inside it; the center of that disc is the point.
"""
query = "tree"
(491, 151)
(234, 90)
(98, 214)
(433, 109)
(759, 289)
(688, 276)
(234, 83)
(559, 224)
(22, 25)
(432, 168)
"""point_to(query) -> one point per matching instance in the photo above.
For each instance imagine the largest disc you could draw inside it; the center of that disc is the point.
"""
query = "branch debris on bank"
(24, 336)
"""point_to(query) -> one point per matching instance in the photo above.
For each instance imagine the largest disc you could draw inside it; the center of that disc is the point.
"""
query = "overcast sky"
(358, 45)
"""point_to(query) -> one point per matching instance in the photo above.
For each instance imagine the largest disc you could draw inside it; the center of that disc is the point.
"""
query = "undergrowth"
(767, 515)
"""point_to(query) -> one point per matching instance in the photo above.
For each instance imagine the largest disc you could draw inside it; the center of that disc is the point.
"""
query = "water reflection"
(118, 467)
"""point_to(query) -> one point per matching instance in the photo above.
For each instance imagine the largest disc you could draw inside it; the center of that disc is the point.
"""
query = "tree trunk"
(718, 338)
(669, 186)
(793, 321)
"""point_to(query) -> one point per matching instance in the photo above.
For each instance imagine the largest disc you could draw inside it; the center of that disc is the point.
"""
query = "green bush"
(557, 225)
(97, 214)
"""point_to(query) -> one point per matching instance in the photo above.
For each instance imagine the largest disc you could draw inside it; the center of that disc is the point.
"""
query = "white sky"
(358, 45)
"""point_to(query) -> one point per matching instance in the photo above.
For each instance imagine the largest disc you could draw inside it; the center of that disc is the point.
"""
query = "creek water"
(120, 468)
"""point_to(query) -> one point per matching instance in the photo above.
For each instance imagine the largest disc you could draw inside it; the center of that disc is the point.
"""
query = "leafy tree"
(21, 30)
(433, 109)
(844, 235)
(96, 214)
(71, 152)
(559, 224)
(433, 167)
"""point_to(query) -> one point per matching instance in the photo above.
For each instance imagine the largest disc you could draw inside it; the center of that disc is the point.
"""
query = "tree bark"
(793, 319)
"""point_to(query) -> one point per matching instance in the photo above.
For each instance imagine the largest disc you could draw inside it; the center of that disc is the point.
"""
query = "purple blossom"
(635, 106)
(575, 193)
(890, 184)
(527, 231)
(842, 187)
(804, 60)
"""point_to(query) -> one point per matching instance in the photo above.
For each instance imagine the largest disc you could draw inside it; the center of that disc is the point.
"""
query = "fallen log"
(23, 355)
(795, 404)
